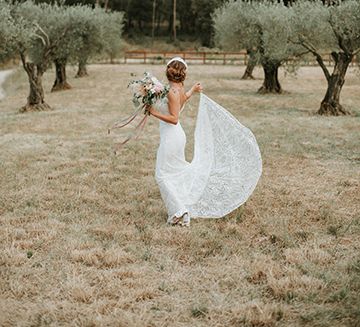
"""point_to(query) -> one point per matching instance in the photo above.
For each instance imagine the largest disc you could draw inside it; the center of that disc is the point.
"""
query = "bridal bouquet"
(146, 92)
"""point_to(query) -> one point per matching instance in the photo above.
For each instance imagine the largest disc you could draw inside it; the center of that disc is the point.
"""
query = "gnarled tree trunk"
(60, 79)
(250, 65)
(35, 100)
(82, 71)
(330, 105)
(271, 82)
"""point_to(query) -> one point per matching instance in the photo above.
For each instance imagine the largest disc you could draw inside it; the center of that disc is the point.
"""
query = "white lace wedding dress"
(223, 173)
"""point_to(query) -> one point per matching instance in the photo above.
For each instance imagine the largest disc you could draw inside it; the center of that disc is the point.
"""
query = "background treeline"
(193, 18)
(156, 17)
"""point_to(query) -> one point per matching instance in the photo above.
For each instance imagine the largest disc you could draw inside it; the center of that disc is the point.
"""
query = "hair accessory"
(177, 59)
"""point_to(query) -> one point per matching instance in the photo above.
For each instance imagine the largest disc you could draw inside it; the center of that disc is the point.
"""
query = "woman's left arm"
(195, 88)
(171, 119)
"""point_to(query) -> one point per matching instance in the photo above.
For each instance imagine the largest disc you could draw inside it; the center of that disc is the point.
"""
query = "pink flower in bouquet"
(158, 88)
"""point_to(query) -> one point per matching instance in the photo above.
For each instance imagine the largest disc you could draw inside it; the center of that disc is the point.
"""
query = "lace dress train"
(223, 173)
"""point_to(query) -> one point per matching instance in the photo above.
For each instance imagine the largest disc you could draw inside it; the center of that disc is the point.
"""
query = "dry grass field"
(83, 234)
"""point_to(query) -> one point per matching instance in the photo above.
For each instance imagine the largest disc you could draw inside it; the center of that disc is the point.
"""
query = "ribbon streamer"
(137, 130)
(127, 120)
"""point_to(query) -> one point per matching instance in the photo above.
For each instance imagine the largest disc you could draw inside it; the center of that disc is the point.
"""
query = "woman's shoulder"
(174, 95)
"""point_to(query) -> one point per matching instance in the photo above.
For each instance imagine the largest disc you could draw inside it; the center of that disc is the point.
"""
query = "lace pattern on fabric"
(224, 171)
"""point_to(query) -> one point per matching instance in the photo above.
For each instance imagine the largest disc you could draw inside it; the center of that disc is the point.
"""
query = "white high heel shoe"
(186, 220)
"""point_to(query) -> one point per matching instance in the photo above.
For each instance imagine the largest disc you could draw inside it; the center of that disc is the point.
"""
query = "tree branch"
(44, 33)
(42, 39)
(57, 41)
(319, 59)
(338, 37)
(303, 53)
(23, 60)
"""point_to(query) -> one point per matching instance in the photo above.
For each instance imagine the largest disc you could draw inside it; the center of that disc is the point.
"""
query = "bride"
(226, 165)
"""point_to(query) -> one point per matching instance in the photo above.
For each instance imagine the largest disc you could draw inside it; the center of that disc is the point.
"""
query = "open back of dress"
(223, 173)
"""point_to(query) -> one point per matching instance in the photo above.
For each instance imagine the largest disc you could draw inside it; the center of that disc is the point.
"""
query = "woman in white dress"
(226, 165)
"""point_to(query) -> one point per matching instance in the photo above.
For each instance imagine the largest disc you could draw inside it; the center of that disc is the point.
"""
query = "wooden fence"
(199, 57)
(202, 57)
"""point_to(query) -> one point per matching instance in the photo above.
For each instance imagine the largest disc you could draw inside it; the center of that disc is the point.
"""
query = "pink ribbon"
(137, 130)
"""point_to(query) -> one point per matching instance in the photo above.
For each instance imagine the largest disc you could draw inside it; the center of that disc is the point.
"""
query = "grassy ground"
(83, 234)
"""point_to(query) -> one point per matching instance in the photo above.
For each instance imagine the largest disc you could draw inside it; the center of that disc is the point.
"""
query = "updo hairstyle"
(176, 72)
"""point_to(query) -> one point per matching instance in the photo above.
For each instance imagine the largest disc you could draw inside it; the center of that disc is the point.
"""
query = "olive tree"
(63, 54)
(40, 31)
(91, 32)
(99, 33)
(251, 64)
(90, 39)
(262, 27)
(235, 30)
(83, 23)
(272, 22)
(320, 29)
(112, 31)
